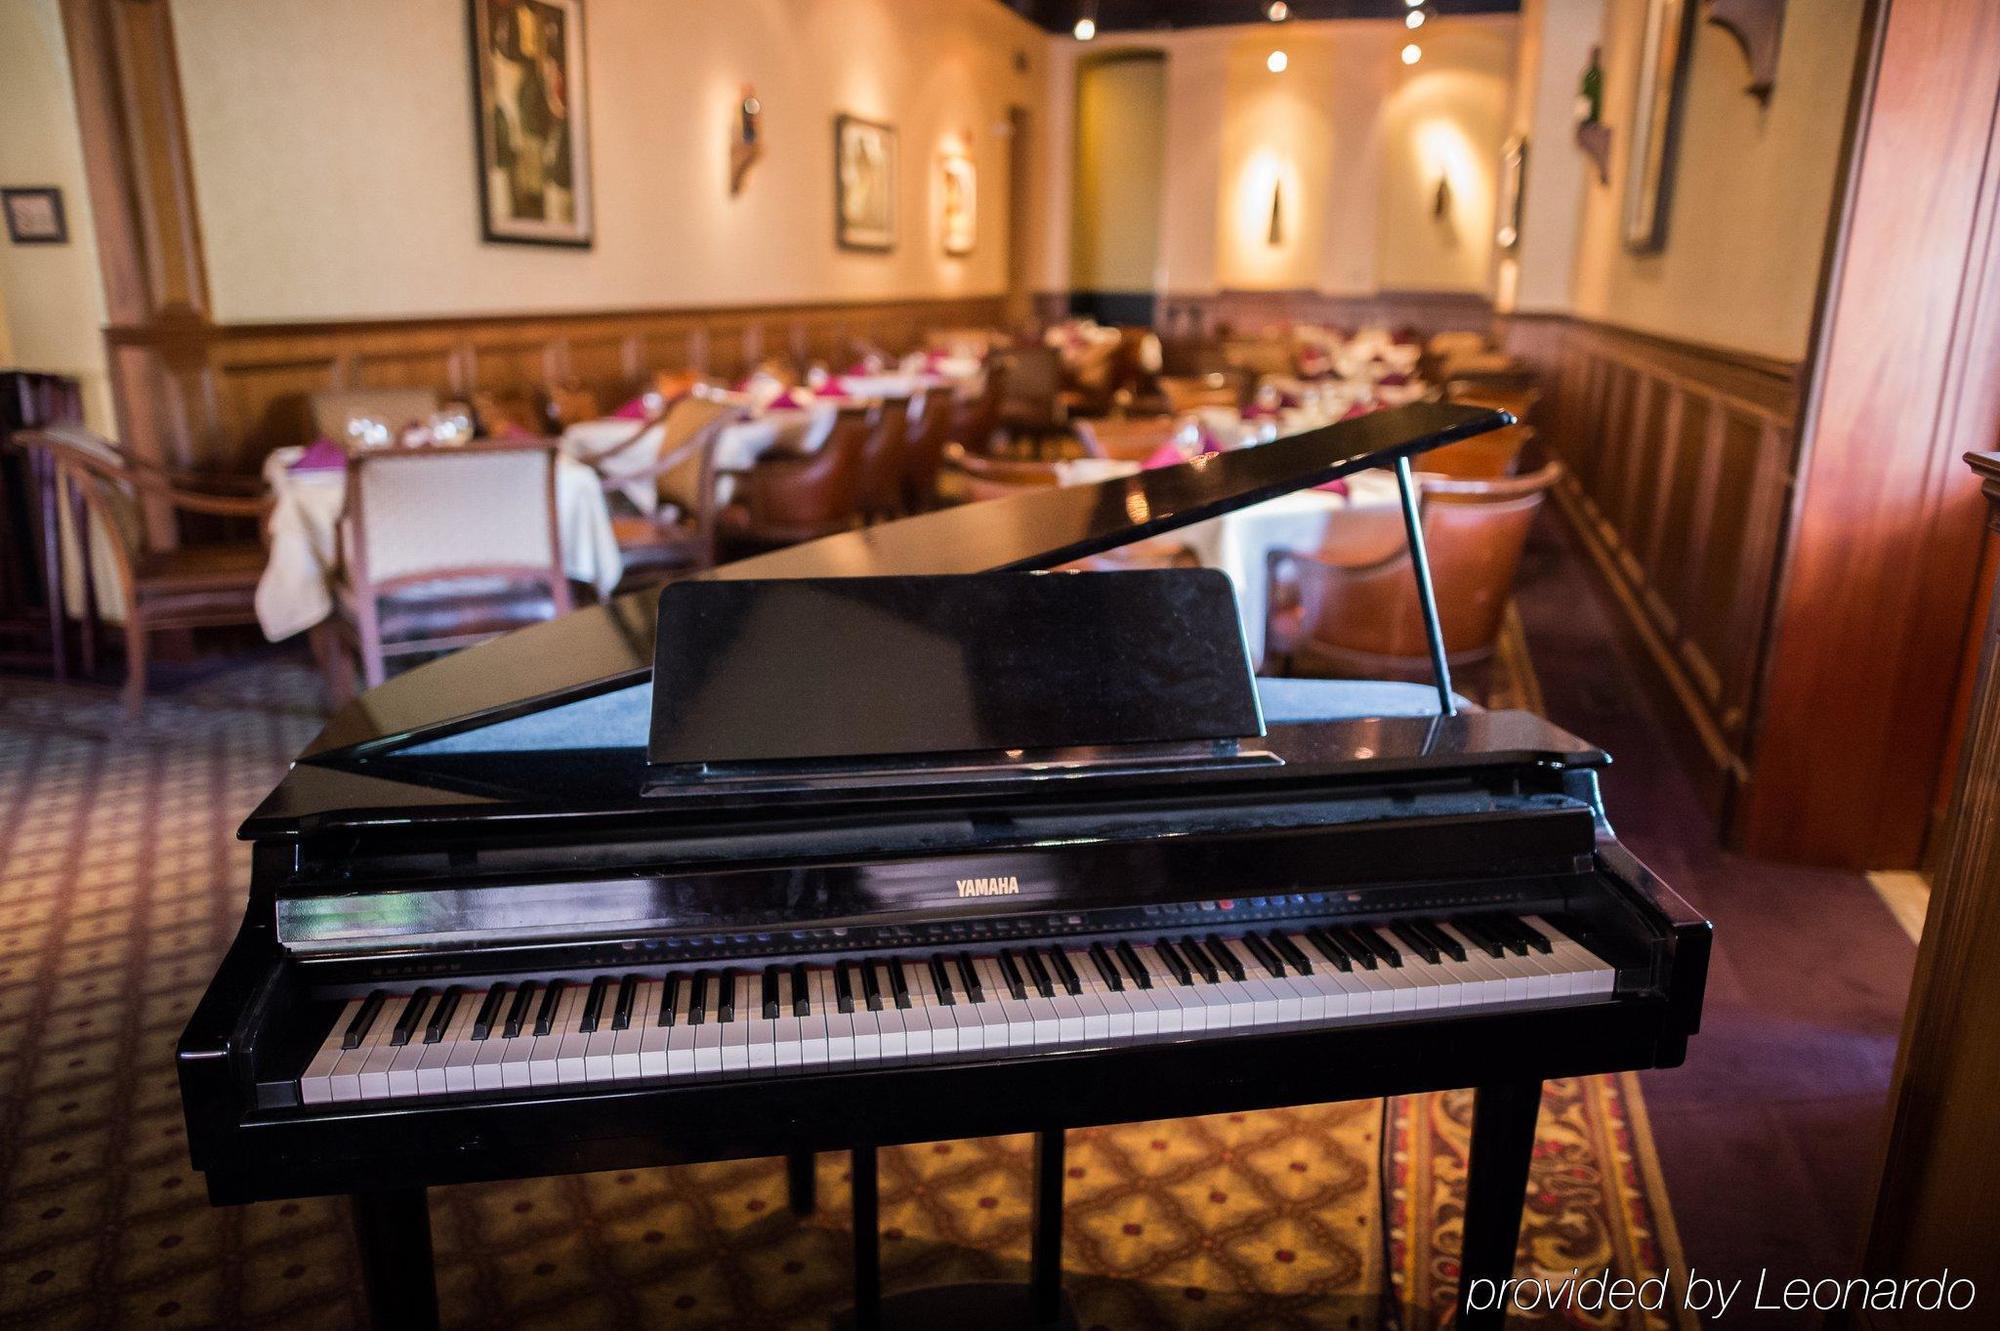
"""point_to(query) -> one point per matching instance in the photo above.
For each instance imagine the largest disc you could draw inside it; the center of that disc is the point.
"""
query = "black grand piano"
(888, 838)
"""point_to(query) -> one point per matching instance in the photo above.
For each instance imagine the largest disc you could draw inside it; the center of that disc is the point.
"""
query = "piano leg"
(799, 1181)
(1496, 1186)
(393, 1229)
(1045, 1296)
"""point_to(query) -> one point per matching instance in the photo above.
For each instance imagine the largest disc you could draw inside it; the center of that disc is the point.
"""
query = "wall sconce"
(746, 145)
(1276, 235)
(1441, 201)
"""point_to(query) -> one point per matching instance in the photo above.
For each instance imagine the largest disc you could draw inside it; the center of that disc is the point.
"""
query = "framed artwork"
(531, 99)
(1513, 171)
(35, 215)
(1655, 120)
(961, 203)
(864, 183)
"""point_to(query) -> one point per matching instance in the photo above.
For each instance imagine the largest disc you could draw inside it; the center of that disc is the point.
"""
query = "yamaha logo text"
(989, 887)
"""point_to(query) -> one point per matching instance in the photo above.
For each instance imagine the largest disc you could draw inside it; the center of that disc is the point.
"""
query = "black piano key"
(670, 998)
(1443, 941)
(1474, 927)
(1534, 937)
(593, 1004)
(698, 999)
(871, 987)
(357, 1030)
(1012, 974)
(1330, 948)
(517, 1011)
(447, 1008)
(1263, 954)
(489, 1011)
(941, 981)
(1128, 956)
(1038, 973)
(1288, 951)
(1383, 947)
(1509, 931)
(1226, 958)
(545, 1016)
(968, 976)
(1072, 983)
(1175, 964)
(1416, 941)
(770, 993)
(1106, 969)
(843, 985)
(725, 998)
(413, 1012)
(899, 983)
(801, 991)
(1354, 947)
(628, 995)
(1203, 965)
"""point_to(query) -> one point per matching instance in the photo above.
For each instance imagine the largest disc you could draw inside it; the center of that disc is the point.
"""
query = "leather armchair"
(882, 459)
(923, 456)
(788, 499)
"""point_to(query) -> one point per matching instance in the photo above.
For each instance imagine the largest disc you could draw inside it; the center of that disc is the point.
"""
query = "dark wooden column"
(1940, 1189)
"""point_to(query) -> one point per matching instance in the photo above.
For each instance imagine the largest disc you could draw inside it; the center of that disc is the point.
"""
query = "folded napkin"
(635, 410)
(1336, 486)
(320, 455)
(785, 401)
(1358, 409)
(1166, 455)
(1396, 380)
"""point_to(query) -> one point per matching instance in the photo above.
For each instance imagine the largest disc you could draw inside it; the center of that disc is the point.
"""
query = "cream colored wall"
(1554, 50)
(51, 296)
(1339, 126)
(334, 170)
(1752, 190)
(1445, 120)
(1120, 154)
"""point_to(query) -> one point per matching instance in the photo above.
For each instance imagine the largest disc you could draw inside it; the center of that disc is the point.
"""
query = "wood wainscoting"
(225, 395)
(1680, 460)
(1192, 314)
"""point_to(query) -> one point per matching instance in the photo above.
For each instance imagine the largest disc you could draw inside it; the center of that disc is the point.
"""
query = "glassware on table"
(451, 427)
(365, 432)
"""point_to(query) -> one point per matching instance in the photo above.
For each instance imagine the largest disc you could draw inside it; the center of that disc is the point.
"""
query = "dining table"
(738, 446)
(296, 590)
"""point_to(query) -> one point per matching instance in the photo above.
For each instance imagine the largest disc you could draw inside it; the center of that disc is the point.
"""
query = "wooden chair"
(513, 413)
(975, 423)
(188, 585)
(1216, 388)
(1031, 403)
(882, 459)
(1351, 611)
(923, 456)
(444, 548)
(1129, 438)
(678, 536)
(1520, 400)
(786, 499)
(394, 407)
(1484, 457)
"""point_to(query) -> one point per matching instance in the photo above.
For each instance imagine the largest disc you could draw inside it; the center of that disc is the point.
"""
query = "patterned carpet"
(120, 883)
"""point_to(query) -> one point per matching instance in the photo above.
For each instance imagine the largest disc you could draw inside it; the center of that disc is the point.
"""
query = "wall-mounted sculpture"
(1756, 25)
(746, 143)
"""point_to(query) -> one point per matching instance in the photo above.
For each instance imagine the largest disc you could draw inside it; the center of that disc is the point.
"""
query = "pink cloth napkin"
(1358, 409)
(1259, 412)
(1336, 486)
(1166, 455)
(784, 401)
(635, 410)
(1393, 380)
(320, 455)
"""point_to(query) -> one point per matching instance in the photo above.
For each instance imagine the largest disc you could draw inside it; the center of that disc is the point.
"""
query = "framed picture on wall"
(35, 215)
(531, 100)
(961, 202)
(1513, 171)
(864, 184)
(1655, 122)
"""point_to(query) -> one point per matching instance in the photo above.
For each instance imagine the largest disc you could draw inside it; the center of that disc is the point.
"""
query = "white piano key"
(315, 1084)
(814, 1047)
(544, 1050)
(433, 1071)
(392, 1073)
(627, 1044)
(655, 1033)
(681, 1035)
(921, 1017)
(787, 1032)
(889, 1020)
(571, 1048)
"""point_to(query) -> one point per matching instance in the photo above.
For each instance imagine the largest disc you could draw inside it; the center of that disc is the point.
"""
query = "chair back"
(1518, 401)
(95, 489)
(688, 481)
(882, 457)
(482, 511)
(1031, 385)
(394, 407)
(975, 423)
(997, 478)
(924, 453)
(821, 490)
(1484, 457)
(1366, 618)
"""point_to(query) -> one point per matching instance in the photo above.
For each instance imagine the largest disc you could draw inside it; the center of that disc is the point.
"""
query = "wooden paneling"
(1198, 315)
(228, 394)
(1679, 458)
(1882, 562)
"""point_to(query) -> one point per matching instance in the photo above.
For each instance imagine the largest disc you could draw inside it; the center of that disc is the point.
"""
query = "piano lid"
(610, 647)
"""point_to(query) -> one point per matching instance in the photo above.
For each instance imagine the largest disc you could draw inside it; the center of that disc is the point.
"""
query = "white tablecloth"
(296, 591)
(737, 447)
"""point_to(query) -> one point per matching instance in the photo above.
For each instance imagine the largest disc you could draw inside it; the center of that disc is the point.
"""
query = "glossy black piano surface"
(1401, 901)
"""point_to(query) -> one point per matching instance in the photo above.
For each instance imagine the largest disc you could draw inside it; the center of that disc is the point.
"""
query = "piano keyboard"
(874, 1011)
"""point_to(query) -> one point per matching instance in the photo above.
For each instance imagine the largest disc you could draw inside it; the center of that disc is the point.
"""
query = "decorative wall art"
(961, 202)
(1655, 122)
(1513, 172)
(531, 98)
(35, 215)
(864, 155)
(746, 143)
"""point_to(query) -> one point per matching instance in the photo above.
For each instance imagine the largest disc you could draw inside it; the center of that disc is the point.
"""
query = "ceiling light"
(1086, 28)
(1412, 53)
(1414, 19)
(1276, 62)
(1412, 4)
(1277, 11)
